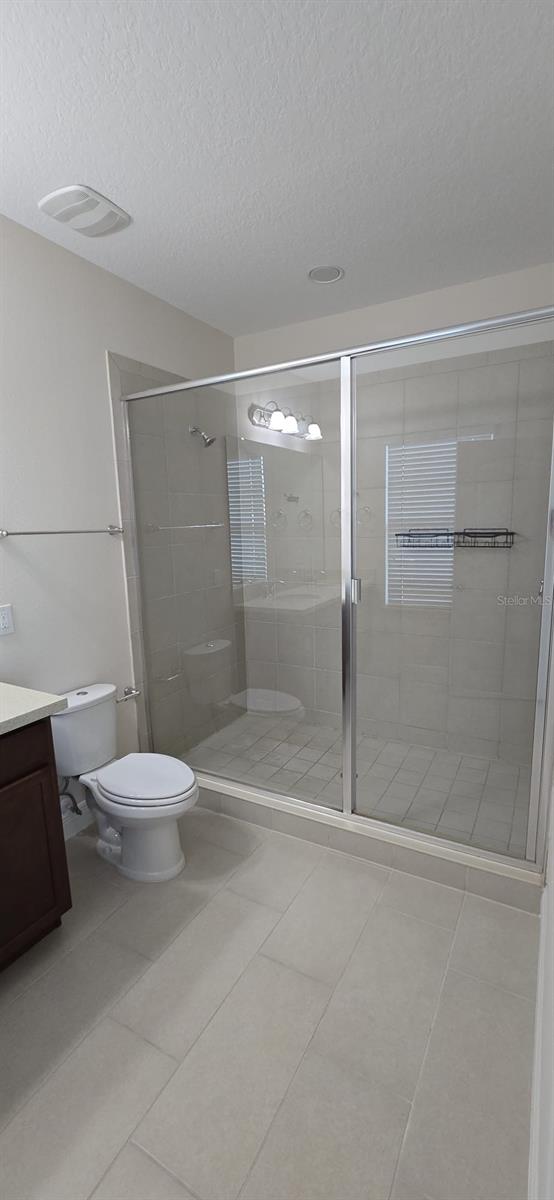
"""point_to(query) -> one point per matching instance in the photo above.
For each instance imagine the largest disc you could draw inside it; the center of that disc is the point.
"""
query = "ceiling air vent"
(84, 210)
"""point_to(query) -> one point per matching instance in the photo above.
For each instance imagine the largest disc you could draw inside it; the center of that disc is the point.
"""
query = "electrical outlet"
(6, 619)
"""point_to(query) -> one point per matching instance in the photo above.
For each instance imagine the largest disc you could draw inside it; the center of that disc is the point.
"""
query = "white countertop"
(21, 706)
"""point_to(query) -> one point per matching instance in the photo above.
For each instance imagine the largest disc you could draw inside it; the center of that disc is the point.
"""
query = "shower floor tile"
(478, 801)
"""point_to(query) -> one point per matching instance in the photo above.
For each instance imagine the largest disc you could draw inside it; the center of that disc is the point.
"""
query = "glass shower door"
(453, 461)
(238, 504)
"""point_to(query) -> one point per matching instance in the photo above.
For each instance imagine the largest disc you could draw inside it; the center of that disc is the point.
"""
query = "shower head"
(207, 440)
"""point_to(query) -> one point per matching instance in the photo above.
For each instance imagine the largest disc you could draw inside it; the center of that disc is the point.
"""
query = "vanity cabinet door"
(34, 885)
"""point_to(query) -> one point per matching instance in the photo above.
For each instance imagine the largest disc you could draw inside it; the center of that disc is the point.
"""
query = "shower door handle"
(356, 590)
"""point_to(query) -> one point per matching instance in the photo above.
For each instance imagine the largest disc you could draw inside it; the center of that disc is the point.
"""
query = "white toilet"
(136, 800)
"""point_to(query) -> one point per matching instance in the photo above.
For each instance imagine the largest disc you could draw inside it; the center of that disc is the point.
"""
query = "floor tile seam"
(427, 1045)
(131, 1136)
(281, 912)
(293, 1076)
(512, 907)
(109, 1016)
(332, 990)
(205, 1027)
(279, 962)
(202, 837)
(103, 1016)
(504, 903)
(497, 987)
(80, 941)
(131, 1142)
(421, 920)
(128, 1139)
(152, 961)
(329, 1058)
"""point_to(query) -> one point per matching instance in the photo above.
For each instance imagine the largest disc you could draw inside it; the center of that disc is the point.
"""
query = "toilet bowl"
(136, 800)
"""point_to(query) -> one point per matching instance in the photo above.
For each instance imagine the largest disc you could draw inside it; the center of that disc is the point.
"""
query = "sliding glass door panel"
(453, 457)
(239, 536)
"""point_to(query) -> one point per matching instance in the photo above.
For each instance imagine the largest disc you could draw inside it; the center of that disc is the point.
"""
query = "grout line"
(223, 1001)
(64, 953)
(422, 920)
(95, 1023)
(179, 1062)
(333, 989)
(107, 1013)
(245, 777)
(158, 1163)
(91, 1194)
(426, 1051)
(143, 1038)
(497, 987)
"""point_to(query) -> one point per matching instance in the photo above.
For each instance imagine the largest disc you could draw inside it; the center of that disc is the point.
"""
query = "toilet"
(136, 800)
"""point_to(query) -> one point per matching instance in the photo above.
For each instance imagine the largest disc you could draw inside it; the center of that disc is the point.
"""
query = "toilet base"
(146, 855)
(148, 851)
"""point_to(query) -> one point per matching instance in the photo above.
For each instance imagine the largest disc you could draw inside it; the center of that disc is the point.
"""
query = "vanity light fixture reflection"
(291, 424)
(271, 416)
(277, 420)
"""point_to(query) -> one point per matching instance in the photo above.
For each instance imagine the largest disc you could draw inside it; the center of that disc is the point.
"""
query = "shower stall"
(345, 571)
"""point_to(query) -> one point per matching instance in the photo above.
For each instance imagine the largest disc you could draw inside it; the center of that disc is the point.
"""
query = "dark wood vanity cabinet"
(34, 883)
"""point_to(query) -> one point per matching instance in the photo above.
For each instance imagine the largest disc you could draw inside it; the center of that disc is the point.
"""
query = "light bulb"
(277, 420)
(314, 432)
(290, 424)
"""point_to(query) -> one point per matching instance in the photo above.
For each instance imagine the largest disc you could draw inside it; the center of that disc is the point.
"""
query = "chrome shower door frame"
(349, 584)
(542, 760)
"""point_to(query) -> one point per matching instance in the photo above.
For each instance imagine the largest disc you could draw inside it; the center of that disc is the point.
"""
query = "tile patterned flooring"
(280, 1022)
(479, 801)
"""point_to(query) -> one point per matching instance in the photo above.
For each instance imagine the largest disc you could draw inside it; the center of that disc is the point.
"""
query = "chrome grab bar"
(128, 693)
(4, 533)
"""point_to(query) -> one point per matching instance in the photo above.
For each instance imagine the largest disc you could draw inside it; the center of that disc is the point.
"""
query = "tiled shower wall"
(193, 640)
(284, 647)
(462, 676)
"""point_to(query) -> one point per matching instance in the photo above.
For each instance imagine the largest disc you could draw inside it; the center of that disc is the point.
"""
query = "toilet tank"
(85, 732)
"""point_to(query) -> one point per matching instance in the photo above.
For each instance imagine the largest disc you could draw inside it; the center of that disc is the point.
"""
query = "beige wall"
(59, 316)
(519, 290)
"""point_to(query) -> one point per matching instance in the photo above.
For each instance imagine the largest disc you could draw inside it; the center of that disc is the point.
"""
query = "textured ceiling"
(410, 141)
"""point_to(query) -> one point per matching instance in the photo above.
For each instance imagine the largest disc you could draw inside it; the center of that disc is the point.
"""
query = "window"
(246, 487)
(420, 493)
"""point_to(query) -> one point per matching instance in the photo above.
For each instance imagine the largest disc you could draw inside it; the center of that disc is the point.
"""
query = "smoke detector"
(83, 209)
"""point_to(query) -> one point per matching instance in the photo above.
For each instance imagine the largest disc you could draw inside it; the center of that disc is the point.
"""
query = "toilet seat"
(145, 781)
